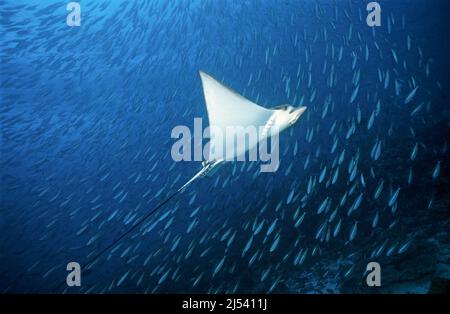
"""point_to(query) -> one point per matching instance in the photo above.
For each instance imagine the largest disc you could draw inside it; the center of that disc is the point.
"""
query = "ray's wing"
(227, 108)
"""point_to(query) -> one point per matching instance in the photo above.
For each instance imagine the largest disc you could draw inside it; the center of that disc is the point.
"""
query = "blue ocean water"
(86, 119)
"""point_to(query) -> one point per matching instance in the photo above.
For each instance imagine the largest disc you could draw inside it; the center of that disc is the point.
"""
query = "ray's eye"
(281, 107)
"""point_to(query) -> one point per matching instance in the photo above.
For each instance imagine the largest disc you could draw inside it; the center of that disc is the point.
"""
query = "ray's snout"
(296, 114)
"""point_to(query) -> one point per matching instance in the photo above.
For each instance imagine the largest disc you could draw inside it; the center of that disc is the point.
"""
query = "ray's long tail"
(138, 223)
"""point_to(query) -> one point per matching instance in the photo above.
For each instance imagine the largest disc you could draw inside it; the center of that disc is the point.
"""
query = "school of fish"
(86, 116)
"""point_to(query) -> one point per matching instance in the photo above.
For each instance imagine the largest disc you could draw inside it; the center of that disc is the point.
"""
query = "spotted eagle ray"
(227, 108)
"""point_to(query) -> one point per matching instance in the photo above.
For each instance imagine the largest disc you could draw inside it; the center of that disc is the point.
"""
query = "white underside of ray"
(227, 108)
